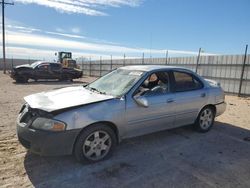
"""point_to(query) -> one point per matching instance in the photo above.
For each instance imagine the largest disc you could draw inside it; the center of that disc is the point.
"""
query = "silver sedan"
(89, 121)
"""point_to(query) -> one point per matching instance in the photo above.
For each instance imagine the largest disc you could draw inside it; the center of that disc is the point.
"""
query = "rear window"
(55, 66)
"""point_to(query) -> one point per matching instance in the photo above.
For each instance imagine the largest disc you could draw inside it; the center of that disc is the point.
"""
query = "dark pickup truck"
(44, 70)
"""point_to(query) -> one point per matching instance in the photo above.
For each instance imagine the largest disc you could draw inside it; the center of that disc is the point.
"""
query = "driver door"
(42, 71)
(158, 115)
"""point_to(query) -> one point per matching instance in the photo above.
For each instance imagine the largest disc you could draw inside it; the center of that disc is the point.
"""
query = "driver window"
(43, 67)
(156, 84)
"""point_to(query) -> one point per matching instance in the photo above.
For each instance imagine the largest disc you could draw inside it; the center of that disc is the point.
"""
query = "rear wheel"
(205, 120)
(95, 143)
(66, 78)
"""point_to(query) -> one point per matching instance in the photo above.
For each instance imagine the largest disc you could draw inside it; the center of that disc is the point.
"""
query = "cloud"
(38, 41)
(28, 53)
(23, 29)
(63, 6)
(49, 55)
(65, 35)
(60, 30)
(88, 7)
(75, 30)
(47, 43)
(16, 27)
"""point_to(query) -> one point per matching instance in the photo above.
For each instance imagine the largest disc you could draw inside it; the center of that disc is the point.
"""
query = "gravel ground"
(175, 158)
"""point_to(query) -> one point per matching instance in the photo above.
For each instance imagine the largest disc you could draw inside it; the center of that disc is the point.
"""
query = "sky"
(37, 29)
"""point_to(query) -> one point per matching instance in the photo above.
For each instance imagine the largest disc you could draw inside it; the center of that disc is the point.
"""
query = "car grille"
(27, 115)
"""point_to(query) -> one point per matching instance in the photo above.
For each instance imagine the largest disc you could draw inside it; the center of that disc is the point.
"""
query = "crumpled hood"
(64, 98)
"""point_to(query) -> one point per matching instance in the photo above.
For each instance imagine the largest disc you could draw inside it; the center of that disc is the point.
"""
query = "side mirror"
(142, 101)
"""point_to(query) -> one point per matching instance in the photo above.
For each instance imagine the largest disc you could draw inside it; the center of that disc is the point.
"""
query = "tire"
(70, 78)
(95, 143)
(18, 80)
(63, 78)
(66, 78)
(205, 120)
(22, 79)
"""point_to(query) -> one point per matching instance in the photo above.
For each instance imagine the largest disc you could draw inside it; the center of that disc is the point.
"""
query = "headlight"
(48, 124)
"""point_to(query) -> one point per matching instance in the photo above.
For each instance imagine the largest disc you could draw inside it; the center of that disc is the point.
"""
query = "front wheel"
(205, 120)
(22, 79)
(95, 143)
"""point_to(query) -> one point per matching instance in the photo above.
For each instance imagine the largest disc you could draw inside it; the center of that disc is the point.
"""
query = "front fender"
(111, 111)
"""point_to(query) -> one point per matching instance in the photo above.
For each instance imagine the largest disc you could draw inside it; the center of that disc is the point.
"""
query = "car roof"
(148, 68)
(45, 62)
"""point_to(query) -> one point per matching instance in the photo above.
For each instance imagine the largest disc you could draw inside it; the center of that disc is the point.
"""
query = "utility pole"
(3, 33)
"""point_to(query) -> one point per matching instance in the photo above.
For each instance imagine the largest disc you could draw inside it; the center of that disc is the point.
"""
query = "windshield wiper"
(85, 84)
(94, 89)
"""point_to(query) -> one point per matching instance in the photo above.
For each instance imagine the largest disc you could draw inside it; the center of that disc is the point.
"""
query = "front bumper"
(220, 108)
(12, 74)
(47, 143)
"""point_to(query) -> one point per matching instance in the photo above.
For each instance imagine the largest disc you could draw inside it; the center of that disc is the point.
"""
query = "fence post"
(12, 63)
(82, 64)
(100, 66)
(90, 66)
(143, 58)
(198, 59)
(124, 59)
(242, 71)
(166, 57)
(111, 63)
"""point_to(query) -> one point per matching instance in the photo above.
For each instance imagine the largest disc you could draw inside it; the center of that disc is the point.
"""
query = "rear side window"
(186, 82)
(55, 66)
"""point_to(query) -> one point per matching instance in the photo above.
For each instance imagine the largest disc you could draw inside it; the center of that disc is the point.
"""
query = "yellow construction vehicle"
(65, 58)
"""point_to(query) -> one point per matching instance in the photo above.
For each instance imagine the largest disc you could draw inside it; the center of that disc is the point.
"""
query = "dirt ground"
(175, 158)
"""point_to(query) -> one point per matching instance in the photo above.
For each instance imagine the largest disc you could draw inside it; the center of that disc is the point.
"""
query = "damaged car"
(44, 70)
(89, 121)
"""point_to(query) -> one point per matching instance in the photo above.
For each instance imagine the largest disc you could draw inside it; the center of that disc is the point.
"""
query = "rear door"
(55, 70)
(190, 97)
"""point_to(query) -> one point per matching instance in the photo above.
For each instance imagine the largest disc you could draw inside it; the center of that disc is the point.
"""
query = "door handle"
(203, 95)
(170, 100)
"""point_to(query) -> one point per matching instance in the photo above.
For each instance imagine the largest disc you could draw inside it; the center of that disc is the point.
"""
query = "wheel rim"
(206, 119)
(97, 145)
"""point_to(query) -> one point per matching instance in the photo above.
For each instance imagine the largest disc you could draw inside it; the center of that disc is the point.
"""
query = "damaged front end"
(40, 133)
